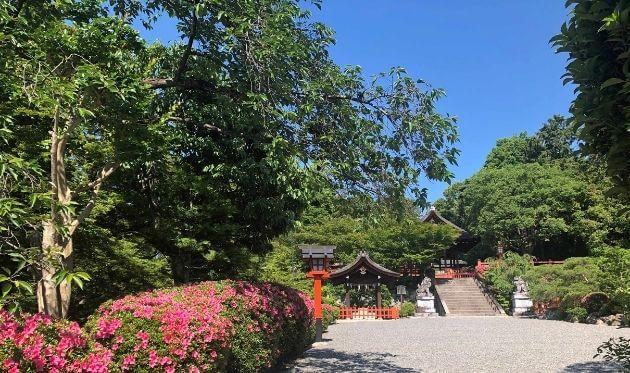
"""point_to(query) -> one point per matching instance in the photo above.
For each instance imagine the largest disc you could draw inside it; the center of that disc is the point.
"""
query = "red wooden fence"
(369, 313)
(451, 273)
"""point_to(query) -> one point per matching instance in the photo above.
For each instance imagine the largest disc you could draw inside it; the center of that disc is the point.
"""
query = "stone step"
(463, 297)
(473, 308)
(473, 314)
(467, 301)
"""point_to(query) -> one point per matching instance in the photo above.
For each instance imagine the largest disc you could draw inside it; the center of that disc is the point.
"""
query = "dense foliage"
(595, 39)
(580, 287)
(391, 240)
(535, 195)
(212, 326)
(186, 158)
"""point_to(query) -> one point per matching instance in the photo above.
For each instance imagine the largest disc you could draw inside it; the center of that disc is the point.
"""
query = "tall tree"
(596, 38)
(263, 118)
(536, 196)
(239, 122)
(76, 89)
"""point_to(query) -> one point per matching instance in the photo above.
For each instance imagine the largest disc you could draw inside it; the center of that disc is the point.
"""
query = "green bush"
(500, 275)
(331, 314)
(577, 314)
(407, 309)
(614, 279)
(570, 282)
(584, 285)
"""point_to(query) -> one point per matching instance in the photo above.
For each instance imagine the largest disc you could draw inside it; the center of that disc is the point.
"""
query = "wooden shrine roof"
(434, 217)
(362, 266)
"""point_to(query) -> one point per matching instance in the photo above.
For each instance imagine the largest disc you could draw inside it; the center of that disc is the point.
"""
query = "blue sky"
(491, 56)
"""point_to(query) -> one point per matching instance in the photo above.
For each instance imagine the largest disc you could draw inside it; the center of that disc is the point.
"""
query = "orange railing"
(451, 273)
(481, 267)
(369, 313)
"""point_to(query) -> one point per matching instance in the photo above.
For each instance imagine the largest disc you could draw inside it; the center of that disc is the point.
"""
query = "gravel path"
(459, 344)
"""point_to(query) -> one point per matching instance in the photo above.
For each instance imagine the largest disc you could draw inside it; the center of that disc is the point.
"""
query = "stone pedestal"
(521, 304)
(425, 306)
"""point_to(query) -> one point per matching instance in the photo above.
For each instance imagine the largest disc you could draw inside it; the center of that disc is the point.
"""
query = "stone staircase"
(463, 297)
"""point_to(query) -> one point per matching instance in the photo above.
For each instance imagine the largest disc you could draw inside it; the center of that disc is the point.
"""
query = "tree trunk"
(56, 250)
(51, 299)
(180, 267)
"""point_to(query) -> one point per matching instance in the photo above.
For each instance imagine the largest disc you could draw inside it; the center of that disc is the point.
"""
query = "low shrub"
(617, 350)
(36, 343)
(500, 275)
(407, 309)
(212, 326)
(578, 314)
(579, 285)
(331, 313)
(614, 264)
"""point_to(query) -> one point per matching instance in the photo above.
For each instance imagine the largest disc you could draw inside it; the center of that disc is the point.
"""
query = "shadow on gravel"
(593, 367)
(329, 360)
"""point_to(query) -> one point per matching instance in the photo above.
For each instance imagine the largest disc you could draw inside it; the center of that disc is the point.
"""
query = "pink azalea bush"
(207, 327)
(36, 343)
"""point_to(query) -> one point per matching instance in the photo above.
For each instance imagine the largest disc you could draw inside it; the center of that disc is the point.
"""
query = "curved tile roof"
(364, 259)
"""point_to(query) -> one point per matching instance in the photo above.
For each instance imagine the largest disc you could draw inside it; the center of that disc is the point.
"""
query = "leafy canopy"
(536, 196)
(595, 39)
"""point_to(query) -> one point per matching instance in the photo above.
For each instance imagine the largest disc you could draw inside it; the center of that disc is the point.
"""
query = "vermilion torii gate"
(364, 272)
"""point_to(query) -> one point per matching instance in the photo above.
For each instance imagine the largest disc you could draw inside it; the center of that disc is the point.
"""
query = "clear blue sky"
(491, 56)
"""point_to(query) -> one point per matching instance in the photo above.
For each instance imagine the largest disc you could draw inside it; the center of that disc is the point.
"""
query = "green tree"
(595, 39)
(74, 89)
(390, 240)
(536, 196)
(201, 150)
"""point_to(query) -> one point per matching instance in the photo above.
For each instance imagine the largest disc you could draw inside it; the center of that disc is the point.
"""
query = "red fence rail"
(451, 273)
(369, 313)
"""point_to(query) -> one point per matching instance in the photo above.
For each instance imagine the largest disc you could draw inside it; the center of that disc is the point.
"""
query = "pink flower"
(107, 327)
(153, 359)
(128, 362)
(11, 366)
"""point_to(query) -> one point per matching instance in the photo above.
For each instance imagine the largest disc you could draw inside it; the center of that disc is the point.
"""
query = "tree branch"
(192, 84)
(191, 38)
(95, 185)
(207, 126)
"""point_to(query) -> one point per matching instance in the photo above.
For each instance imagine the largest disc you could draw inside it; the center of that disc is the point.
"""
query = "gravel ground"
(459, 344)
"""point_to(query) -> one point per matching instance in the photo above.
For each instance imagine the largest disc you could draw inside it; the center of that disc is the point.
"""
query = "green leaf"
(24, 286)
(78, 281)
(6, 288)
(611, 82)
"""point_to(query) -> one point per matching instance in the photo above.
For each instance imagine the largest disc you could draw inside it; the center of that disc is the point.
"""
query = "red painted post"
(317, 290)
(318, 278)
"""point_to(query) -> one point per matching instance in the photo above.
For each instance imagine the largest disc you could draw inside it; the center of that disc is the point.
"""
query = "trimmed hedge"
(211, 326)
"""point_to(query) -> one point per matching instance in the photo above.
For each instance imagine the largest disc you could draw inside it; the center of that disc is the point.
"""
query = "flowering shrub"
(37, 343)
(212, 326)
